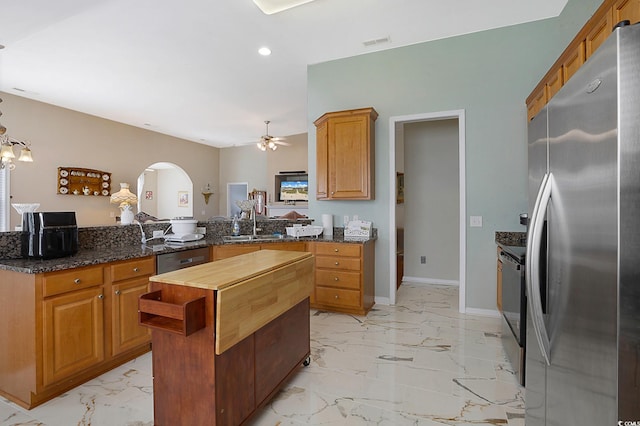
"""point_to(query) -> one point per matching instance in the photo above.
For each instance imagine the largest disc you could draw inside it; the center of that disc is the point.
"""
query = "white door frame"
(404, 119)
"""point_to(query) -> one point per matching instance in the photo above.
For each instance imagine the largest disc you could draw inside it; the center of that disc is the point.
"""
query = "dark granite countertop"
(516, 239)
(86, 257)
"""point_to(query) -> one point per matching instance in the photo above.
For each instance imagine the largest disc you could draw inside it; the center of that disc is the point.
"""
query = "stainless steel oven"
(514, 307)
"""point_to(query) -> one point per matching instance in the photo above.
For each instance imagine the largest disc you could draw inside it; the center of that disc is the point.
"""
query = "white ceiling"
(191, 69)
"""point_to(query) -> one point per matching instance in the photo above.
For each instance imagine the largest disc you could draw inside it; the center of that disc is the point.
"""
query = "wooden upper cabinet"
(322, 159)
(626, 10)
(599, 33)
(345, 155)
(584, 44)
(572, 61)
(536, 102)
(554, 83)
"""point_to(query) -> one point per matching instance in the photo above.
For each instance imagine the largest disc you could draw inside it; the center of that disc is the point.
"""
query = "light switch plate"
(475, 221)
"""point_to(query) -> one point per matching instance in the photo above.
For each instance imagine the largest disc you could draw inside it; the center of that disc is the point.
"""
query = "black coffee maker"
(49, 235)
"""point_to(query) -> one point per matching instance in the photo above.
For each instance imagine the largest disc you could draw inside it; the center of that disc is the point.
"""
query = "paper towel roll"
(327, 224)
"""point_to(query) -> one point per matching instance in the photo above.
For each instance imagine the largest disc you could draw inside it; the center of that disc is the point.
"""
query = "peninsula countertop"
(86, 257)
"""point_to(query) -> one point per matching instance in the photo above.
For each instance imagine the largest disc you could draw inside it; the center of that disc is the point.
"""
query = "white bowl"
(25, 207)
(183, 226)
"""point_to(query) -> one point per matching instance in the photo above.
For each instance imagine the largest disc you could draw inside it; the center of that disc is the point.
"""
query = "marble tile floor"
(419, 362)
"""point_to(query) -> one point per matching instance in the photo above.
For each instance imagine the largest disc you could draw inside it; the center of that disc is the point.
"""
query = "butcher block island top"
(227, 272)
(227, 335)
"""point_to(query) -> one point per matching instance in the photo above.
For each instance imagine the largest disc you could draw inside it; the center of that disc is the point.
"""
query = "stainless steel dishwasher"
(182, 259)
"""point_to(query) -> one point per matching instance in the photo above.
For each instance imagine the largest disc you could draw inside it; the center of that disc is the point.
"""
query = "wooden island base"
(212, 366)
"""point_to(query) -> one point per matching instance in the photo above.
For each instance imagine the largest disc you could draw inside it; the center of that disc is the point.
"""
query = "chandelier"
(7, 144)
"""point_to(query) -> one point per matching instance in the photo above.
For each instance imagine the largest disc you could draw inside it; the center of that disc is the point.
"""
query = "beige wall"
(258, 168)
(61, 137)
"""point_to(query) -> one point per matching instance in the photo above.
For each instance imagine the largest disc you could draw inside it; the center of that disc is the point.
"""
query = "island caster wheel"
(307, 361)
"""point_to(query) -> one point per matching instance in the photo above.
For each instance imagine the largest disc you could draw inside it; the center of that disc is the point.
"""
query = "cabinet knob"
(101, 296)
(336, 279)
(336, 297)
(337, 263)
(118, 292)
(336, 250)
(77, 281)
(136, 269)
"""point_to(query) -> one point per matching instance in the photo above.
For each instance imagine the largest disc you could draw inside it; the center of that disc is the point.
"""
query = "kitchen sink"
(241, 238)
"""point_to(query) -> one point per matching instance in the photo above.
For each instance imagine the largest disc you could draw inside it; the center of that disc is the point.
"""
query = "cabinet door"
(598, 34)
(322, 174)
(222, 252)
(73, 328)
(573, 62)
(126, 333)
(626, 10)
(287, 246)
(349, 158)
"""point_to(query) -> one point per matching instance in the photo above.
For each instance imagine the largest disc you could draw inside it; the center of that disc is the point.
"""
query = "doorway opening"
(397, 123)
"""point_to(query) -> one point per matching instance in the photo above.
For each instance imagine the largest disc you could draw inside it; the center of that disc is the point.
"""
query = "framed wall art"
(399, 188)
(183, 199)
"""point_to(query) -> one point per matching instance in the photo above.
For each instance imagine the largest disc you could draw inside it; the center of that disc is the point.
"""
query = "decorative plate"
(64, 173)
(63, 190)
(63, 181)
(105, 192)
(105, 184)
(105, 177)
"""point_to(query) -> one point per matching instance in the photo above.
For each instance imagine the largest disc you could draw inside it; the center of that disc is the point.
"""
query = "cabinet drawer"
(133, 268)
(343, 263)
(70, 280)
(338, 279)
(334, 249)
(338, 297)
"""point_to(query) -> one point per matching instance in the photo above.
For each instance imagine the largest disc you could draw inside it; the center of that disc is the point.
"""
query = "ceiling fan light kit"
(269, 7)
(267, 141)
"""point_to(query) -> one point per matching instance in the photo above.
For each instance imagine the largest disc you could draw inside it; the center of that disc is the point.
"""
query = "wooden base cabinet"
(60, 329)
(345, 277)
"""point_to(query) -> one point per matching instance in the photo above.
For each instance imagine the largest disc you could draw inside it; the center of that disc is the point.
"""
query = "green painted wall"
(489, 75)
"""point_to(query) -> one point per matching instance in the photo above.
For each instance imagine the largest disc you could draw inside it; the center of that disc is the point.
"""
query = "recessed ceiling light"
(264, 51)
(274, 6)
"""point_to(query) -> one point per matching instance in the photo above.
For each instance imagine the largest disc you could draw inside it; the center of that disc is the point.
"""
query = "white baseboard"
(382, 300)
(483, 312)
(418, 280)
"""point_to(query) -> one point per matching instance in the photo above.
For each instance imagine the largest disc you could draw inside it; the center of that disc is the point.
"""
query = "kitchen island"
(227, 335)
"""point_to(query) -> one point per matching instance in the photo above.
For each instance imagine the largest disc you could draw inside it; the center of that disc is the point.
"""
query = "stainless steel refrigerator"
(583, 245)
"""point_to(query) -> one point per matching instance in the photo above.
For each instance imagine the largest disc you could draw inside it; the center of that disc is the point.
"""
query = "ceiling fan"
(268, 141)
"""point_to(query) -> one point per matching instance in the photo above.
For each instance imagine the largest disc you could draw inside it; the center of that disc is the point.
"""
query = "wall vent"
(375, 41)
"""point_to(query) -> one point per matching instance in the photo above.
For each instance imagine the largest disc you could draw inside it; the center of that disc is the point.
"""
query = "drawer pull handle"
(336, 250)
(101, 296)
(336, 279)
(336, 296)
(337, 263)
(136, 269)
(118, 292)
(77, 281)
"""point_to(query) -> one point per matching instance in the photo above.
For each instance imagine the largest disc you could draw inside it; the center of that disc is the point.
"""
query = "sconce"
(206, 192)
(6, 152)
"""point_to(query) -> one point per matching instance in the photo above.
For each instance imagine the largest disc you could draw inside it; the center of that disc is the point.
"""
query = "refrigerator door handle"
(536, 227)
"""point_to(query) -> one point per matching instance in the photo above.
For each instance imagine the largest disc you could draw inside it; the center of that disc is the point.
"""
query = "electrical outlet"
(475, 221)
(423, 259)
(158, 234)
